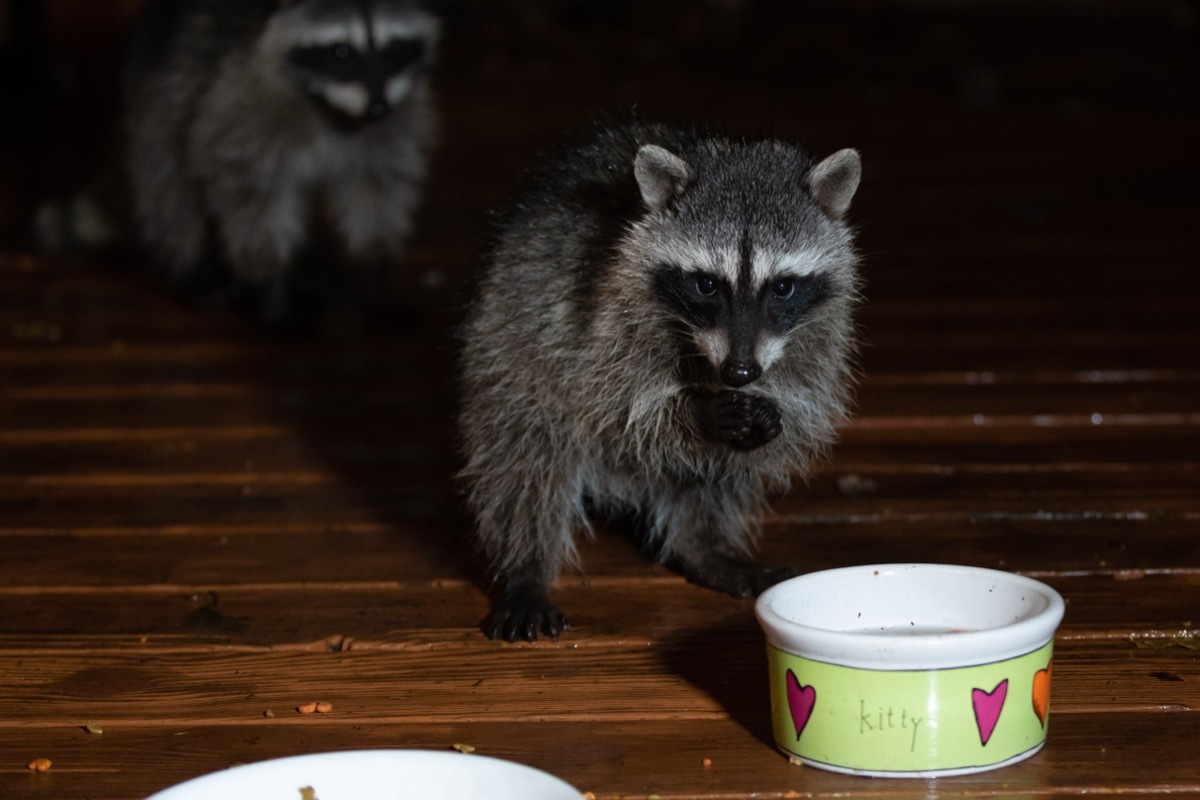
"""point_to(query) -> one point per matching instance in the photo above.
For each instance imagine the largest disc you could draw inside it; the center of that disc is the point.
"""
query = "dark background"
(906, 82)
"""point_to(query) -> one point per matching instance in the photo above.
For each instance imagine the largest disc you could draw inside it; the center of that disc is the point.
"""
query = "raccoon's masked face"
(739, 300)
(358, 60)
(739, 327)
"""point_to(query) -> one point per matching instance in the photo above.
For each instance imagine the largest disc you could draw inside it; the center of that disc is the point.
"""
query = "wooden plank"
(633, 609)
(232, 501)
(626, 760)
(705, 675)
(913, 398)
(198, 519)
(1078, 441)
(365, 549)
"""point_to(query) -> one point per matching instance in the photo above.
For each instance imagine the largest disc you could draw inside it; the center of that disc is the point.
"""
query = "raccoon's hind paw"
(732, 576)
(523, 613)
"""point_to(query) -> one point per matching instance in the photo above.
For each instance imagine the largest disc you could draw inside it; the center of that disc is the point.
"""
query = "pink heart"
(801, 700)
(987, 708)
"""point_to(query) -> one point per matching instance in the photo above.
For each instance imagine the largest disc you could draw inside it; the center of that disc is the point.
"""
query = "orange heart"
(1041, 692)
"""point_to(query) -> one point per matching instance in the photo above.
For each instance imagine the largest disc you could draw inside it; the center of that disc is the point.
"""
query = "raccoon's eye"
(338, 61)
(783, 288)
(334, 53)
(706, 285)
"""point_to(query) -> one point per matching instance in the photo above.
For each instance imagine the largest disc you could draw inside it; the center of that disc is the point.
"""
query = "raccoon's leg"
(739, 419)
(705, 533)
(167, 211)
(375, 219)
(527, 502)
(261, 228)
(374, 214)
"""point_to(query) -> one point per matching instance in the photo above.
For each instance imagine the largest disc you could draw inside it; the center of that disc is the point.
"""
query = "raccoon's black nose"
(740, 373)
(378, 110)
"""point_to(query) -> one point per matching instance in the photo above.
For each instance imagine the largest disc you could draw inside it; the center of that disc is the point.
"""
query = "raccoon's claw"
(522, 614)
(733, 576)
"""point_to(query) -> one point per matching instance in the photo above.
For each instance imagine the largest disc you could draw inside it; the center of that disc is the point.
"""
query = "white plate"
(377, 775)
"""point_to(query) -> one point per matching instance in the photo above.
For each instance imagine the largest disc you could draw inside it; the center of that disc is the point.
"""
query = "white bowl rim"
(911, 651)
(186, 790)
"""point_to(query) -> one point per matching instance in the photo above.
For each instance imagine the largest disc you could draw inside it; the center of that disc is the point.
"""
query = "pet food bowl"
(910, 670)
(376, 775)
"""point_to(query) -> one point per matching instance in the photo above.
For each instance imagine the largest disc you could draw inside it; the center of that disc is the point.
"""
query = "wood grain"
(201, 521)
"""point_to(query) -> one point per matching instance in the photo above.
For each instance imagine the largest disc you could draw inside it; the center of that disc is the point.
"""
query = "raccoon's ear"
(834, 181)
(661, 175)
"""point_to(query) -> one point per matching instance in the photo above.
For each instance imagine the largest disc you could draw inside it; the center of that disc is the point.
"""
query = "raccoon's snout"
(737, 373)
(378, 110)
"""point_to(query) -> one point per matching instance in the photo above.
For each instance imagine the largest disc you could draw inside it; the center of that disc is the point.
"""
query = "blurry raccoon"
(258, 133)
(662, 333)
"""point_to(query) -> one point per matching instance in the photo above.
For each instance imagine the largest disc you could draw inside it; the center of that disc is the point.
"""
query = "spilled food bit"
(40, 764)
(94, 728)
(308, 793)
(463, 748)
(315, 707)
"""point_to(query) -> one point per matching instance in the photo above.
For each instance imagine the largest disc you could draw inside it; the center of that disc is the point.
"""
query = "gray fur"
(233, 154)
(578, 387)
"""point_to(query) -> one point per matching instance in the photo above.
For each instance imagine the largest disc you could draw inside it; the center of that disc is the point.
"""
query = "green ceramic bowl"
(910, 670)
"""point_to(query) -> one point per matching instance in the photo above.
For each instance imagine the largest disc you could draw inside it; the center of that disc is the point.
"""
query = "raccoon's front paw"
(723, 417)
(740, 420)
(765, 422)
(523, 613)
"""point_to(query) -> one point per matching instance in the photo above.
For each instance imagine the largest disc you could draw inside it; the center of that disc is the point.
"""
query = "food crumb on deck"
(315, 707)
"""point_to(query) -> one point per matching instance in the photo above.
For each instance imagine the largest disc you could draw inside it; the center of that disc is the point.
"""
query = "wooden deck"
(203, 526)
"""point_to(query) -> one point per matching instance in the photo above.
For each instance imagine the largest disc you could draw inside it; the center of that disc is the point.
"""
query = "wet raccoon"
(256, 128)
(662, 333)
